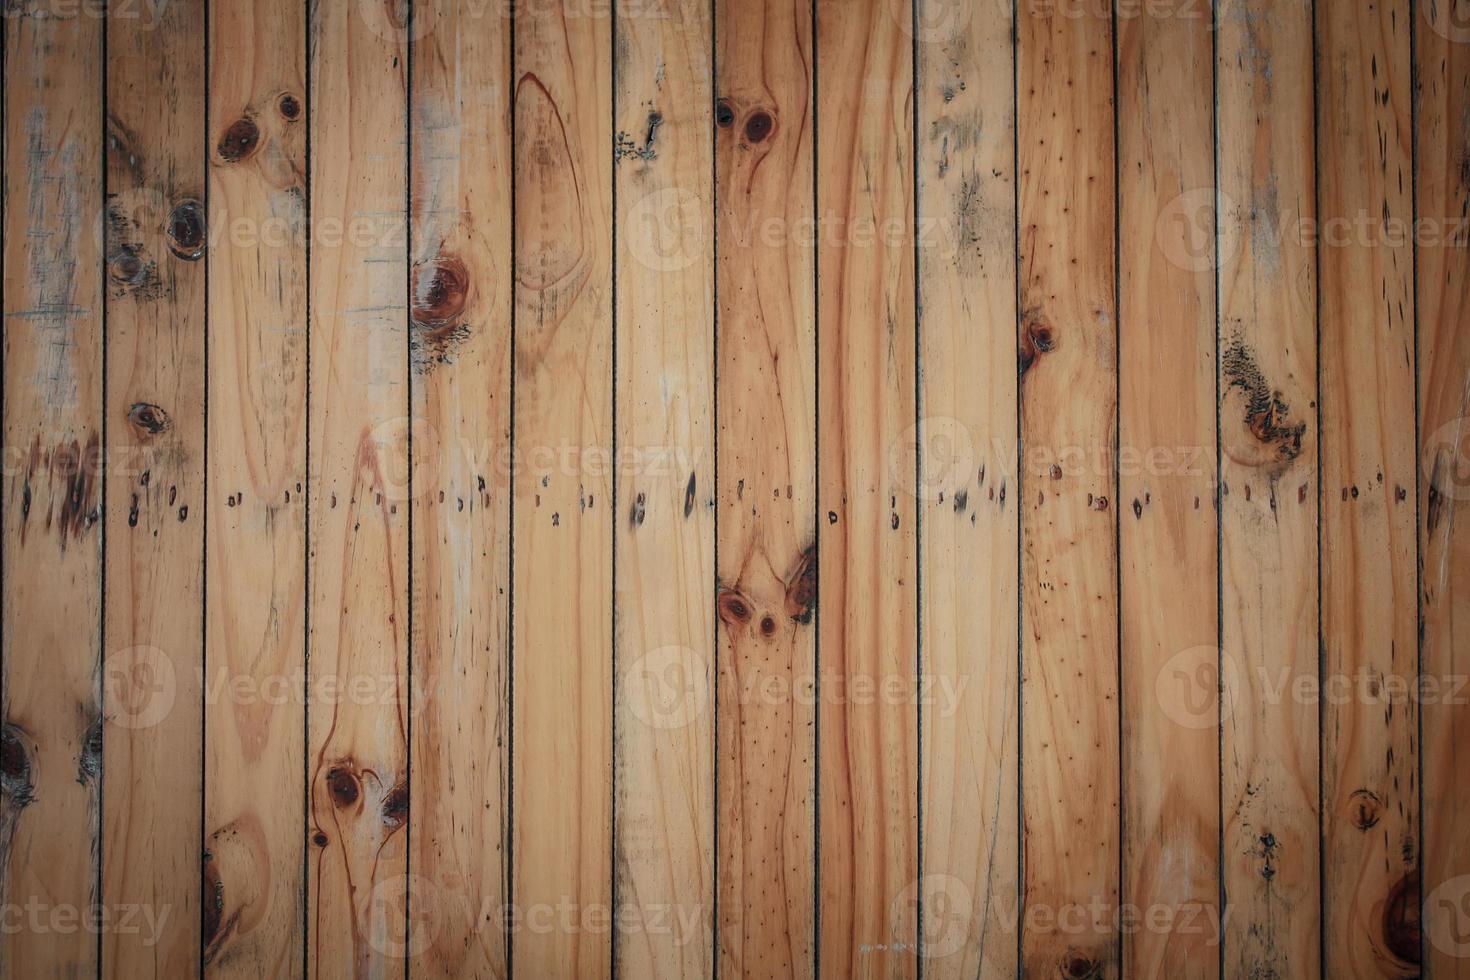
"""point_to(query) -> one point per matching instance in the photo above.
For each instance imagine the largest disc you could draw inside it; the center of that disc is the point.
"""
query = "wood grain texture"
(766, 525)
(1442, 126)
(358, 891)
(154, 619)
(1370, 739)
(1268, 473)
(868, 719)
(1069, 583)
(50, 781)
(663, 853)
(255, 753)
(1166, 490)
(460, 345)
(967, 490)
(562, 563)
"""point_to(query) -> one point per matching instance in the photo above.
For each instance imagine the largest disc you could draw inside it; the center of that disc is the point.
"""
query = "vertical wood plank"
(1268, 494)
(153, 626)
(460, 359)
(664, 849)
(1443, 303)
(1069, 587)
(359, 486)
(1166, 488)
(562, 809)
(767, 561)
(255, 750)
(967, 488)
(1370, 738)
(50, 603)
(868, 714)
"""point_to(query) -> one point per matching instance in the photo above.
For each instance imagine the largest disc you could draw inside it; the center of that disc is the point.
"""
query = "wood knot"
(732, 608)
(289, 107)
(724, 114)
(441, 290)
(149, 419)
(214, 900)
(1365, 809)
(15, 769)
(768, 626)
(1079, 966)
(1036, 339)
(342, 786)
(1401, 918)
(759, 126)
(395, 807)
(239, 141)
(801, 588)
(127, 269)
(186, 230)
(89, 762)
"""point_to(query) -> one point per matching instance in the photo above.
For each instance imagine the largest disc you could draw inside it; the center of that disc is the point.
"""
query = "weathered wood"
(460, 346)
(766, 444)
(51, 755)
(967, 490)
(868, 717)
(1068, 491)
(1442, 120)
(1370, 738)
(664, 640)
(255, 753)
(1268, 473)
(562, 574)
(1166, 490)
(359, 484)
(153, 639)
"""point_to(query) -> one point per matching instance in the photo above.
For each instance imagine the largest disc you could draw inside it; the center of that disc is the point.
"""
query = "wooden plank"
(1370, 738)
(1069, 587)
(359, 485)
(460, 359)
(868, 720)
(154, 619)
(1166, 490)
(562, 516)
(766, 446)
(664, 638)
(1268, 474)
(255, 749)
(50, 602)
(967, 490)
(1442, 123)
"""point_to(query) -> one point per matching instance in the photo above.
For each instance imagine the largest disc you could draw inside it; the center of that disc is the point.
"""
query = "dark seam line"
(1119, 939)
(612, 113)
(508, 758)
(100, 842)
(1220, 890)
(204, 510)
(1418, 461)
(914, 83)
(1322, 730)
(816, 285)
(306, 517)
(714, 668)
(1020, 905)
(409, 507)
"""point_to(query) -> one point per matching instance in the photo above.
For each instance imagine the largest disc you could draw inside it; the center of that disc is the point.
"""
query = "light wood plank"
(868, 858)
(967, 489)
(1370, 738)
(154, 621)
(50, 603)
(664, 718)
(1069, 587)
(358, 891)
(1442, 121)
(562, 563)
(767, 563)
(460, 359)
(1268, 473)
(255, 750)
(1166, 480)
